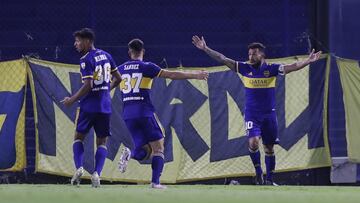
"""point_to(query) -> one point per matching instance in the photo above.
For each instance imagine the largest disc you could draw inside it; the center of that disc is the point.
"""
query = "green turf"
(176, 193)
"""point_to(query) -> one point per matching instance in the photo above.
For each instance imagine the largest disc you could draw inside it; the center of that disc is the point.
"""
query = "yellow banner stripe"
(2, 120)
(13, 75)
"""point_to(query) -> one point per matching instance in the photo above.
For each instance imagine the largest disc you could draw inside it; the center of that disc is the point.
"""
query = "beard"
(256, 64)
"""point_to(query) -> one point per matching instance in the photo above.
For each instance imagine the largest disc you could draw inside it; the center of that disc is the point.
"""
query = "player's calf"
(269, 163)
(100, 157)
(78, 153)
(157, 166)
(157, 163)
(255, 158)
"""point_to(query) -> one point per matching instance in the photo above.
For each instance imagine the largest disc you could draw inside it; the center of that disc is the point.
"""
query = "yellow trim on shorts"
(159, 123)
(77, 116)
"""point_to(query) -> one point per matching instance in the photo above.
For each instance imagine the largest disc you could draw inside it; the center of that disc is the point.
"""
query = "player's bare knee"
(157, 146)
(159, 152)
(79, 136)
(101, 141)
(158, 149)
(254, 146)
(254, 143)
(269, 149)
(148, 151)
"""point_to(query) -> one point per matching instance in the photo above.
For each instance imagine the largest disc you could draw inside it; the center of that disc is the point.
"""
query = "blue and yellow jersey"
(259, 85)
(136, 82)
(98, 66)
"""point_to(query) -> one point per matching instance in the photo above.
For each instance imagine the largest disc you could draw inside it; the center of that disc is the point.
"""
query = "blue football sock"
(255, 158)
(157, 166)
(270, 166)
(78, 149)
(100, 157)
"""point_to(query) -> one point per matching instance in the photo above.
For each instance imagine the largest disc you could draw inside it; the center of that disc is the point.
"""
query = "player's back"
(137, 77)
(97, 65)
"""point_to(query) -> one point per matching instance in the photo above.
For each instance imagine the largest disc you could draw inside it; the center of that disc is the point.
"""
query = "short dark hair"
(257, 45)
(136, 45)
(85, 33)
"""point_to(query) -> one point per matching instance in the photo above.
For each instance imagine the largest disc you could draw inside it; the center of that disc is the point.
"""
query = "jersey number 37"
(131, 82)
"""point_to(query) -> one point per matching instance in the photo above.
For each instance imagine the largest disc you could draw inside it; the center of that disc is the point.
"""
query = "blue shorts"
(144, 130)
(99, 121)
(264, 125)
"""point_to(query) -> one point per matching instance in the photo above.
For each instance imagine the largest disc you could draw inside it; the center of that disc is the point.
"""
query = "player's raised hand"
(202, 75)
(314, 56)
(199, 43)
(67, 101)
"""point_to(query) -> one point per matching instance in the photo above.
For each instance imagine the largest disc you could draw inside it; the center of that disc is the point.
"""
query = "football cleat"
(75, 180)
(95, 180)
(269, 182)
(124, 159)
(259, 180)
(157, 186)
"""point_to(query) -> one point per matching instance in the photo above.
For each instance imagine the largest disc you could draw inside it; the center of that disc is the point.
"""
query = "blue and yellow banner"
(203, 122)
(12, 115)
(350, 82)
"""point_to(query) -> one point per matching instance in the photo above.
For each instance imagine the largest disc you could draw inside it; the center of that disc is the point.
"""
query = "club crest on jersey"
(266, 73)
(82, 65)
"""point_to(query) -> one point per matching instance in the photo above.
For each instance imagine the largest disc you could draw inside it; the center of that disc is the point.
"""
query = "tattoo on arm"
(219, 57)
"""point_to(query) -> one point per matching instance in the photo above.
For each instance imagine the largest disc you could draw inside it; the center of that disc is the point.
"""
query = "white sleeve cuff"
(281, 70)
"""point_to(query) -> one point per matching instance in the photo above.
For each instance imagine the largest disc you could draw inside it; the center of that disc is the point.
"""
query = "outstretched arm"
(219, 57)
(68, 101)
(179, 75)
(288, 68)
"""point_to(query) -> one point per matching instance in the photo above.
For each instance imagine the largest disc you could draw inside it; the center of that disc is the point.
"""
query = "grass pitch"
(176, 193)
